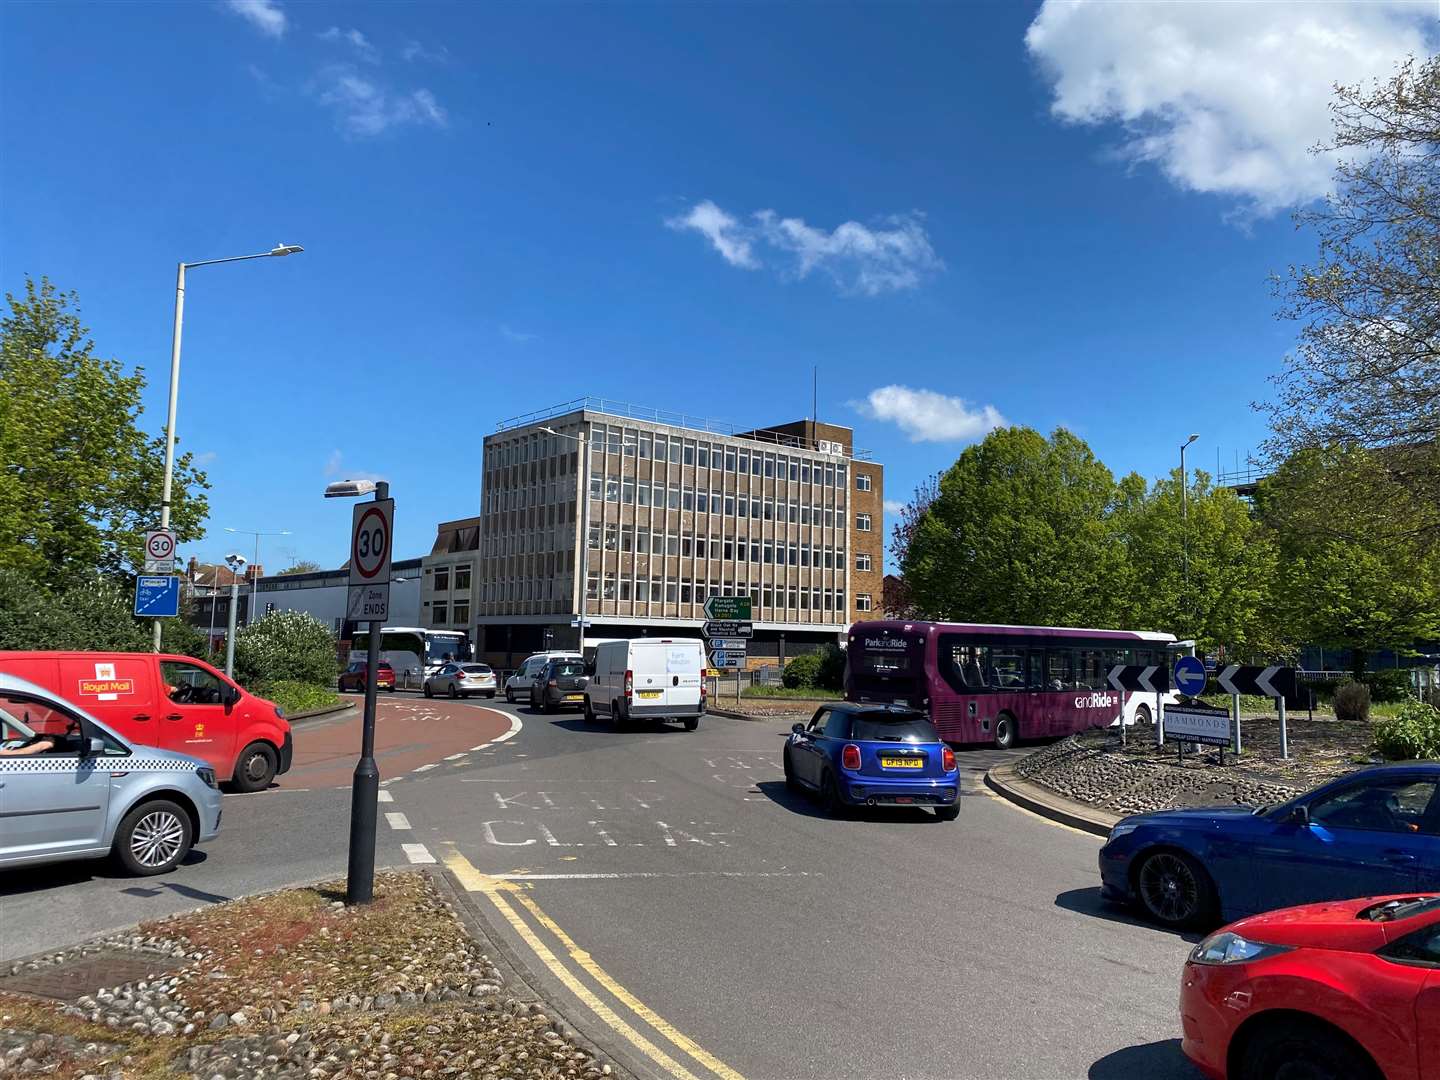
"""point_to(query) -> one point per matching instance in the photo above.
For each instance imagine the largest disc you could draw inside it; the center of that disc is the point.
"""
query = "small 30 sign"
(1198, 724)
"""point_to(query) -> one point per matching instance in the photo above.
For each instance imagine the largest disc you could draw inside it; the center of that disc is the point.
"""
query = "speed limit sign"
(159, 551)
(370, 540)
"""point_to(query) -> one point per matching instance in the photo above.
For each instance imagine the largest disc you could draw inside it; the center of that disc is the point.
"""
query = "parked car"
(524, 677)
(648, 679)
(560, 685)
(174, 702)
(460, 680)
(1372, 832)
(353, 677)
(1338, 991)
(72, 788)
(872, 755)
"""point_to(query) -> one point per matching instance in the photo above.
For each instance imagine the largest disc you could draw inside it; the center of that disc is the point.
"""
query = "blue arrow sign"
(1190, 676)
(157, 597)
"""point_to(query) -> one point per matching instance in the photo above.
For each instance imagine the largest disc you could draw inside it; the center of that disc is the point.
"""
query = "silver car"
(70, 788)
(459, 679)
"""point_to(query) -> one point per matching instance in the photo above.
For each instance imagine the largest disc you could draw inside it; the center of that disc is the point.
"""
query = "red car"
(1348, 990)
(353, 677)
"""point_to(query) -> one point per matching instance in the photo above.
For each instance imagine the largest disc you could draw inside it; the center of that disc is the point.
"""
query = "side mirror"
(797, 729)
(94, 747)
(1298, 815)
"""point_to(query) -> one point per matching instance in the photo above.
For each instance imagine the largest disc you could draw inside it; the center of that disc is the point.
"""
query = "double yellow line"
(500, 893)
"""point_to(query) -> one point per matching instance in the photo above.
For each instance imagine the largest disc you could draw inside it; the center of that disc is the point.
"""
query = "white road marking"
(385, 796)
(417, 853)
(422, 768)
(454, 757)
(649, 874)
(397, 820)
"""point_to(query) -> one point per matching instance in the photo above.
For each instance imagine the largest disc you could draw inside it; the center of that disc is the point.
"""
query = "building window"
(862, 561)
(462, 613)
(862, 481)
(862, 522)
(442, 579)
(609, 585)
(594, 538)
(438, 612)
(862, 601)
(592, 585)
(462, 578)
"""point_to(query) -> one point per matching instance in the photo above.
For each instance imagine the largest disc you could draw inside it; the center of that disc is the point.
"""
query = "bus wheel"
(1142, 715)
(1005, 732)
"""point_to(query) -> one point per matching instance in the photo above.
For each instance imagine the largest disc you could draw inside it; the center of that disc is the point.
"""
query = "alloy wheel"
(156, 838)
(1169, 888)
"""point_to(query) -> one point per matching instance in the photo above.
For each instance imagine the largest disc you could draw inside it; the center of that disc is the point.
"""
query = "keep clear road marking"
(385, 796)
(496, 889)
(417, 853)
(397, 820)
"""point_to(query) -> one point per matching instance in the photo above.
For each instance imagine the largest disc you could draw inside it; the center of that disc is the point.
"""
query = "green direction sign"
(729, 608)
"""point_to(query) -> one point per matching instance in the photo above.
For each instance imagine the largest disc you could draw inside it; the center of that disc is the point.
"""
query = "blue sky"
(1059, 215)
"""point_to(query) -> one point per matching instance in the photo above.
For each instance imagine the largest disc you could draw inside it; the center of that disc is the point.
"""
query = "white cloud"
(333, 462)
(365, 107)
(891, 256)
(205, 457)
(265, 15)
(1223, 98)
(519, 337)
(894, 507)
(356, 40)
(928, 416)
(415, 51)
(335, 467)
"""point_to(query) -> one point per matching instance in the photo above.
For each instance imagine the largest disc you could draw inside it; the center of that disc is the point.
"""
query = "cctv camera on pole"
(236, 563)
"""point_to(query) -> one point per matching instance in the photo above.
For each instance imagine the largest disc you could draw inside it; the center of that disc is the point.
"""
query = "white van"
(648, 679)
(518, 685)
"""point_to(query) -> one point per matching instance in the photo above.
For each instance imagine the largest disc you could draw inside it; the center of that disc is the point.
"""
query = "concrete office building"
(679, 509)
(450, 586)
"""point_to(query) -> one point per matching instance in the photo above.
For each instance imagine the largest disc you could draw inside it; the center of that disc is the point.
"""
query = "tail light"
(460, 674)
(947, 759)
(703, 691)
(850, 757)
(629, 685)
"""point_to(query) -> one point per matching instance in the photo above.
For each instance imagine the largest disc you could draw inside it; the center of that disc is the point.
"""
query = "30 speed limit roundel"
(371, 544)
(159, 544)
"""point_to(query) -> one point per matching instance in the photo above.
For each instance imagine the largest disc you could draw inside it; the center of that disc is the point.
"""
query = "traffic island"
(291, 984)
(1094, 779)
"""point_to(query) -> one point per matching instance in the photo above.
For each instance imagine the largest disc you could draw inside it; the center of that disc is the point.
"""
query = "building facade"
(450, 581)
(673, 509)
(323, 594)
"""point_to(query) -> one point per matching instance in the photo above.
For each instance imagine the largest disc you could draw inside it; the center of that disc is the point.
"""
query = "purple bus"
(997, 684)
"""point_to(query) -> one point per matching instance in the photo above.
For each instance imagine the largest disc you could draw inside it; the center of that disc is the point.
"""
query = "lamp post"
(236, 563)
(1185, 514)
(365, 785)
(255, 565)
(583, 487)
(276, 251)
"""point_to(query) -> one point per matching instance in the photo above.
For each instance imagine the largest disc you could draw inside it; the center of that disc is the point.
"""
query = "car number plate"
(649, 693)
(574, 697)
(902, 762)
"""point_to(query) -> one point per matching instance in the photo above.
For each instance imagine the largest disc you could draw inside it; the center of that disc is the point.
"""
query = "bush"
(286, 646)
(803, 671)
(1413, 732)
(1352, 702)
(296, 697)
(1392, 684)
(90, 614)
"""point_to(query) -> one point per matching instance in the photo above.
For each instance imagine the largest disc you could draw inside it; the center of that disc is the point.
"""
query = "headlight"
(207, 776)
(1228, 948)
(1124, 827)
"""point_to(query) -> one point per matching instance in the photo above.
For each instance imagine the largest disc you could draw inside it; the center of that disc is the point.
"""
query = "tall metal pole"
(230, 632)
(584, 532)
(1185, 519)
(170, 412)
(365, 787)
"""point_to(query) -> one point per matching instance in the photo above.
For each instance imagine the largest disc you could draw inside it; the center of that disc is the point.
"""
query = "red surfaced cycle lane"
(409, 732)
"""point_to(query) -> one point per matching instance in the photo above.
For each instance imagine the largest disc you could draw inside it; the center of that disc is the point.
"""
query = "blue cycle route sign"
(157, 597)
(1190, 676)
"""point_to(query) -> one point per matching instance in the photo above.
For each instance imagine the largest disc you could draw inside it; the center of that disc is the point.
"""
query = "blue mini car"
(1374, 832)
(872, 755)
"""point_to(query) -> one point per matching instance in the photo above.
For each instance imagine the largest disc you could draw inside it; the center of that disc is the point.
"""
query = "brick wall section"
(870, 543)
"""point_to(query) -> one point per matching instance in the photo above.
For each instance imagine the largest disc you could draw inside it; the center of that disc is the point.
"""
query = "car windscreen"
(570, 667)
(893, 727)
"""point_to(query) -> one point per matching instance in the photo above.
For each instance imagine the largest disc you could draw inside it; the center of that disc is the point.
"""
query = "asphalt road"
(690, 912)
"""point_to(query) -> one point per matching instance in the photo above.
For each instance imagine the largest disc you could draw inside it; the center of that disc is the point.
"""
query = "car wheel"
(1142, 715)
(153, 838)
(255, 767)
(490, 695)
(618, 718)
(1006, 731)
(429, 692)
(453, 692)
(510, 695)
(947, 813)
(830, 796)
(791, 780)
(691, 723)
(1174, 889)
(1303, 1050)
(547, 706)
(589, 710)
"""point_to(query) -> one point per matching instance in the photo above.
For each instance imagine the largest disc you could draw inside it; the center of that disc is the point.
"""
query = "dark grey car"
(560, 685)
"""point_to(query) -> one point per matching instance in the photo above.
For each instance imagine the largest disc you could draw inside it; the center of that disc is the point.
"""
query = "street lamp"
(255, 566)
(582, 486)
(277, 251)
(236, 563)
(365, 785)
(1185, 514)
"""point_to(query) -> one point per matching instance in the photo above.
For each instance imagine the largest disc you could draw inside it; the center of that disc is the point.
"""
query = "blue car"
(872, 755)
(1374, 832)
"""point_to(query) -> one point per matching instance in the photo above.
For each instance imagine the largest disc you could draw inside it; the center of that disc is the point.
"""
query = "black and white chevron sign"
(1155, 678)
(1271, 682)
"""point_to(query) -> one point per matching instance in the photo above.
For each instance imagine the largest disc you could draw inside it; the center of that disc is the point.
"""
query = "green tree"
(1225, 598)
(81, 481)
(304, 566)
(286, 645)
(85, 613)
(1359, 565)
(1021, 531)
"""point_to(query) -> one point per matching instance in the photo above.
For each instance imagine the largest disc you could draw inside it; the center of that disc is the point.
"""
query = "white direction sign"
(159, 551)
(371, 532)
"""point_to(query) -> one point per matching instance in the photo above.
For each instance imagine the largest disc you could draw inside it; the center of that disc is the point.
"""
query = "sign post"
(1153, 679)
(727, 634)
(372, 528)
(1272, 682)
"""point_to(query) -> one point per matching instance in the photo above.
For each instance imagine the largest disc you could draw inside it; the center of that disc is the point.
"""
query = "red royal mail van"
(173, 702)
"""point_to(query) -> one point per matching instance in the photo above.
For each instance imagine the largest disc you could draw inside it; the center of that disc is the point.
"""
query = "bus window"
(964, 666)
(1035, 669)
(1059, 669)
(1007, 670)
